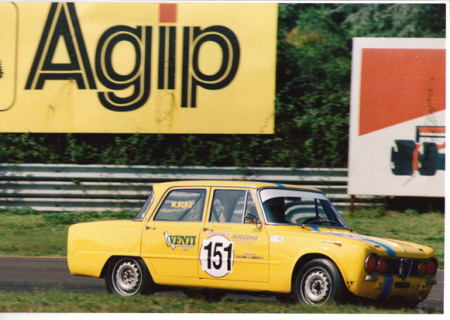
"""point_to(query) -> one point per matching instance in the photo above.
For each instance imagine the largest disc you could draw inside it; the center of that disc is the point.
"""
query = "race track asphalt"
(32, 274)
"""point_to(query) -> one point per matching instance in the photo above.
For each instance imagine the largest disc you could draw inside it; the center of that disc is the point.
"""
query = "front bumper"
(392, 287)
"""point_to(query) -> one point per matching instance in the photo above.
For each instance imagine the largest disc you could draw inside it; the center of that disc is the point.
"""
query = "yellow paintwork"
(37, 96)
(264, 258)
(91, 244)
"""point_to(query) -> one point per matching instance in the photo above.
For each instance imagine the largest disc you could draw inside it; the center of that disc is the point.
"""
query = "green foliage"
(396, 20)
(312, 99)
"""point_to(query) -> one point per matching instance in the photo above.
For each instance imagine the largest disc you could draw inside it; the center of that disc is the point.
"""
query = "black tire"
(429, 160)
(318, 283)
(128, 276)
(402, 157)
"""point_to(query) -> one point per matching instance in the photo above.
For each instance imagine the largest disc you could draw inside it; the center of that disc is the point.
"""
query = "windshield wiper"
(320, 221)
(324, 221)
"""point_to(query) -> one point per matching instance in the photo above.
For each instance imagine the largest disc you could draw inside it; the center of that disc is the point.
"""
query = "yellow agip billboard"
(137, 67)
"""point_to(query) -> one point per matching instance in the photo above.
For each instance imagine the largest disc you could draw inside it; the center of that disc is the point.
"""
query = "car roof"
(231, 183)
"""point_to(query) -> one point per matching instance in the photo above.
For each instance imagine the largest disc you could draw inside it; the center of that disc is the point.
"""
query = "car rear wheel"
(317, 283)
(128, 277)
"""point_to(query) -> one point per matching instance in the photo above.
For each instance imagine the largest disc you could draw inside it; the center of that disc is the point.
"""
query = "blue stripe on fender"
(315, 228)
(388, 280)
(390, 252)
(279, 185)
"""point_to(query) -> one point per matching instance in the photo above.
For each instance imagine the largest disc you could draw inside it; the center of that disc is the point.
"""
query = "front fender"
(285, 261)
(349, 261)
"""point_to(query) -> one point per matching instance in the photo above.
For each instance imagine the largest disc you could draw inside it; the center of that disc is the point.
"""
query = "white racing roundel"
(217, 256)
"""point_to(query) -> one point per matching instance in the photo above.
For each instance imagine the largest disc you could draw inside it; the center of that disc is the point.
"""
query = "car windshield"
(299, 207)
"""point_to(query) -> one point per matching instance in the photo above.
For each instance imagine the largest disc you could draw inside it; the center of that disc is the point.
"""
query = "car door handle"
(208, 229)
(150, 227)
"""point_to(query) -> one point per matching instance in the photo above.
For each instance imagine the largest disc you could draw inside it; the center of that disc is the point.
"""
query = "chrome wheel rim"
(127, 277)
(316, 287)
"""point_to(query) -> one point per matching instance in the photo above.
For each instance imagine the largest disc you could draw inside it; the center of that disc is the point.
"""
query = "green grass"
(162, 303)
(30, 233)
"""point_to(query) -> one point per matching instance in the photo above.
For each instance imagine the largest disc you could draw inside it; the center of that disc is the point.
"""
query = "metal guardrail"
(65, 187)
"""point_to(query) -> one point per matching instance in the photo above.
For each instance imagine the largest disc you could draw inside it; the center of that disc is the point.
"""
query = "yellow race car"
(248, 236)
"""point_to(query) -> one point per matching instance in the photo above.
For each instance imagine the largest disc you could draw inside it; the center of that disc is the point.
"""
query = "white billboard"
(397, 117)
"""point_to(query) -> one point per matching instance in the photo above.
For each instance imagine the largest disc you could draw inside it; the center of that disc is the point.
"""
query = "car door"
(230, 248)
(170, 239)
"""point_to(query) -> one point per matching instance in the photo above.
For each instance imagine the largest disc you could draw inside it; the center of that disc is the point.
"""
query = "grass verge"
(26, 232)
(102, 303)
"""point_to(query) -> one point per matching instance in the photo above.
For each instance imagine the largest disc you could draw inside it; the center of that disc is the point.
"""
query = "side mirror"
(252, 219)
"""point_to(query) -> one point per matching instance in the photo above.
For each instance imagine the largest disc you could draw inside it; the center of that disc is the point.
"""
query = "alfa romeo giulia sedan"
(248, 236)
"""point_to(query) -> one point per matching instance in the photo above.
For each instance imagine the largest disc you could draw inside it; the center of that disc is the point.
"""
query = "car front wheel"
(128, 277)
(317, 283)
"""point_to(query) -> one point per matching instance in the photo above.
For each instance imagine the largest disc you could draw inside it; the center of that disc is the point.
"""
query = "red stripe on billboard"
(168, 12)
(398, 85)
(432, 130)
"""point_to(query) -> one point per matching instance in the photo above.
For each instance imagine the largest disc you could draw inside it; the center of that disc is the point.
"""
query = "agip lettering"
(130, 91)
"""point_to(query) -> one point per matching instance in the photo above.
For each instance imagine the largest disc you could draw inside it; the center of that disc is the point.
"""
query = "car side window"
(230, 206)
(182, 205)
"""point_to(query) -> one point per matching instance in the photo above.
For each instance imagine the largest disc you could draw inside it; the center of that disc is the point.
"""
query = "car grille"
(405, 268)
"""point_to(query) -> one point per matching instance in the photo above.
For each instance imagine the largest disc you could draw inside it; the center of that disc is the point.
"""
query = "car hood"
(385, 247)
